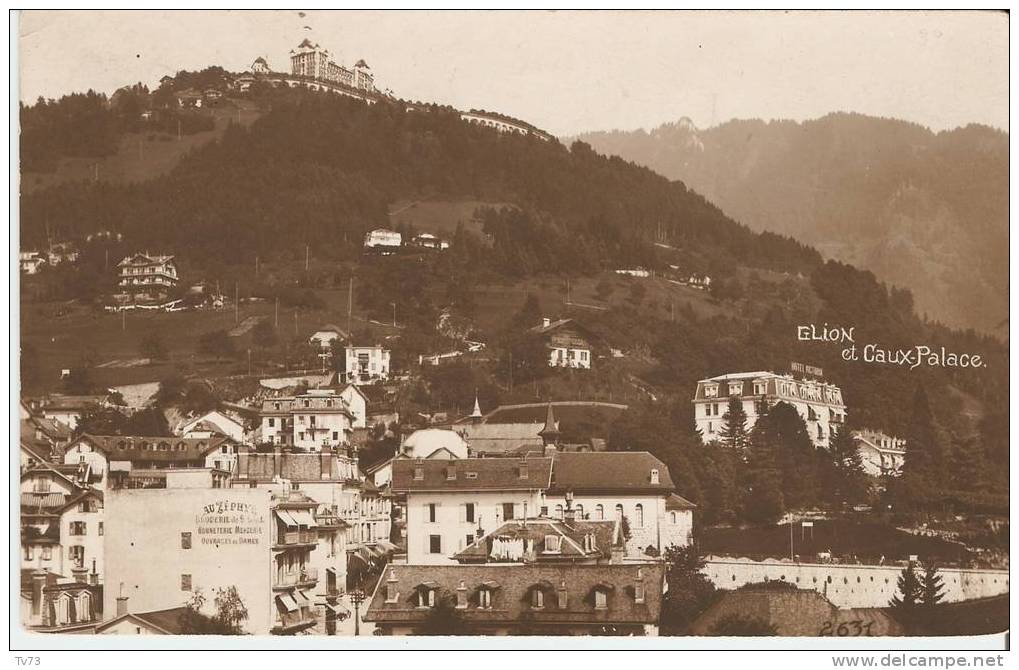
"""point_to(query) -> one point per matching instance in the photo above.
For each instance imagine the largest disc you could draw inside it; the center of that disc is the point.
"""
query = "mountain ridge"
(855, 186)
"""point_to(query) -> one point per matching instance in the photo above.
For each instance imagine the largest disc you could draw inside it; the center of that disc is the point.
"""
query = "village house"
(819, 403)
(145, 277)
(327, 335)
(568, 343)
(126, 456)
(543, 540)
(366, 364)
(30, 262)
(68, 409)
(52, 603)
(317, 419)
(260, 66)
(881, 455)
(533, 599)
(382, 240)
(214, 423)
(156, 622)
(61, 525)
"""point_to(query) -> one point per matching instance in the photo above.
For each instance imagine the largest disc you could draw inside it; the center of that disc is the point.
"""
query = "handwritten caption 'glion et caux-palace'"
(910, 357)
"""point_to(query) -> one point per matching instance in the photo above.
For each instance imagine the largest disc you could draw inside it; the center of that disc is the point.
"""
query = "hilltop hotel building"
(818, 402)
(311, 60)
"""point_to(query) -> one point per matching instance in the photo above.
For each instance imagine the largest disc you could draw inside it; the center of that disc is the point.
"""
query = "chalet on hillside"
(568, 342)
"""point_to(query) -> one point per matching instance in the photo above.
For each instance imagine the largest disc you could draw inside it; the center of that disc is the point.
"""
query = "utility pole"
(256, 266)
(276, 320)
(511, 371)
(180, 135)
(123, 319)
(237, 305)
(307, 253)
(394, 314)
(350, 303)
(249, 362)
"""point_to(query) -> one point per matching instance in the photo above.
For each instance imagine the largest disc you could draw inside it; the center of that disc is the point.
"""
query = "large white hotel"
(818, 402)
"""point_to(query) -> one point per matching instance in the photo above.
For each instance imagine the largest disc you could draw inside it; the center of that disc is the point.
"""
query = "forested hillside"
(922, 210)
(317, 171)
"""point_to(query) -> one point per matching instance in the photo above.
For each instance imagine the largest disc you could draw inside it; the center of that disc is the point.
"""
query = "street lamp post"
(356, 598)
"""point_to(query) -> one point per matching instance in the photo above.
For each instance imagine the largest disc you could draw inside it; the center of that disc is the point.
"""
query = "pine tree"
(910, 591)
(734, 426)
(849, 483)
(932, 586)
(921, 468)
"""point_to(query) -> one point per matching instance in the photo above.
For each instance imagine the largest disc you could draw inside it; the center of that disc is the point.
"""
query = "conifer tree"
(932, 586)
(849, 483)
(734, 425)
(909, 592)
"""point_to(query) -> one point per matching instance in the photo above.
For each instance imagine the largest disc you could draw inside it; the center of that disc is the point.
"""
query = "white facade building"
(365, 365)
(817, 402)
(881, 455)
(316, 419)
(383, 239)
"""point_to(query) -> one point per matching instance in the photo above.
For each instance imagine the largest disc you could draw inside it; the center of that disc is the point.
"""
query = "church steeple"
(550, 433)
(476, 415)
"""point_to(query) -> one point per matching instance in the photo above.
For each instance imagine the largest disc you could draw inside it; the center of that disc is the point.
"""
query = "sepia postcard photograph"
(511, 329)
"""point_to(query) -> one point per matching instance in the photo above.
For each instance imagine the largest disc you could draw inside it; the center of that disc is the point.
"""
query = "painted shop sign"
(226, 522)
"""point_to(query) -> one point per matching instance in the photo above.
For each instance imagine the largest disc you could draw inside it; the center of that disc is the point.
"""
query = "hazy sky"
(569, 72)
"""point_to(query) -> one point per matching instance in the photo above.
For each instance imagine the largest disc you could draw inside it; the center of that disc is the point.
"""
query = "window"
(599, 512)
(47, 553)
(559, 511)
(672, 517)
(185, 582)
(710, 390)
(185, 540)
(100, 528)
(484, 598)
(619, 512)
(580, 511)
(507, 511)
(552, 544)
(77, 528)
(336, 435)
(469, 512)
(537, 598)
(639, 516)
(431, 512)
(426, 598)
(419, 473)
(601, 600)
(223, 450)
(434, 544)
(450, 473)
(272, 423)
(469, 540)
(29, 553)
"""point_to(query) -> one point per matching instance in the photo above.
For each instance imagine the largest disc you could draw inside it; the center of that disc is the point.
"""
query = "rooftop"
(531, 533)
(511, 588)
(582, 472)
(471, 474)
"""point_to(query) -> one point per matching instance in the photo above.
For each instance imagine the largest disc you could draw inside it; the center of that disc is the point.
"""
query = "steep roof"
(472, 474)
(166, 622)
(591, 471)
(511, 587)
(572, 546)
(169, 449)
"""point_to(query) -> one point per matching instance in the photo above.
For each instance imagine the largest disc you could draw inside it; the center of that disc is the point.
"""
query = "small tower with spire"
(476, 416)
(550, 433)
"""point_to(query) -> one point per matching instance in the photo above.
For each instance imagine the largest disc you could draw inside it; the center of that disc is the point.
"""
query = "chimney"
(80, 574)
(461, 595)
(391, 592)
(121, 602)
(618, 551)
(522, 468)
(562, 595)
(326, 461)
(545, 322)
(570, 515)
(277, 459)
(654, 476)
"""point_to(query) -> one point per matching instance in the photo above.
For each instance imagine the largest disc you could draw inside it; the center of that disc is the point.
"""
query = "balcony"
(295, 539)
(305, 577)
(293, 622)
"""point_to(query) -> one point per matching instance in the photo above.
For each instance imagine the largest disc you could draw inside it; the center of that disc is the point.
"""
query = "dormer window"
(735, 388)
(760, 388)
(655, 479)
(472, 475)
(552, 544)
(426, 597)
(419, 474)
(450, 473)
(711, 390)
